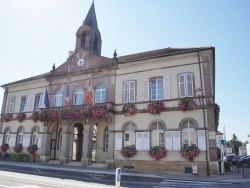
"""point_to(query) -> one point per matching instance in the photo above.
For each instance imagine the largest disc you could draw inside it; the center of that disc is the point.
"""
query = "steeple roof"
(91, 17)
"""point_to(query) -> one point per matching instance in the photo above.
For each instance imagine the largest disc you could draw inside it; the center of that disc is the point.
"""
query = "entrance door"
(53, 142)
(77, 142)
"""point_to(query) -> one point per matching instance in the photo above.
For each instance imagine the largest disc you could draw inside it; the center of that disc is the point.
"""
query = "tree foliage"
(216, 115)
(234, 143)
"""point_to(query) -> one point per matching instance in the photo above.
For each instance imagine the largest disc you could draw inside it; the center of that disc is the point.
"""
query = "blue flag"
(46, 99)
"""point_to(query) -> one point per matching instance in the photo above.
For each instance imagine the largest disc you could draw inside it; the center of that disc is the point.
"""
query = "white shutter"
(182, 85)
(145, 142)
(42, 98)
(1, 139)
(39, 143)
(118, 141)
(27, 104)
(125, 92)
(176, 141)
(168, 140)
(189, 82)
(17, 106)
(32, 100)
(139, 140)
(145, 90)
(201, 140)
(26, 140)
(166, 86)
(132, 91)
(12, 140)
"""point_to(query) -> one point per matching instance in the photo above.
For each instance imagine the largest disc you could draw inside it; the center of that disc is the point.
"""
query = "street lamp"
(198, 92)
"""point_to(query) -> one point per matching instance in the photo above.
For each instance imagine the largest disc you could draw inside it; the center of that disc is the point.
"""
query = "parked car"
(245, 161)
(230, 157)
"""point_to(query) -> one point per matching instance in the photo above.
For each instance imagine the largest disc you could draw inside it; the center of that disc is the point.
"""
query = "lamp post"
(198, 92)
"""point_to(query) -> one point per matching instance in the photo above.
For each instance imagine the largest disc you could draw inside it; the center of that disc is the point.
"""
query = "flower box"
(20, 117)
(190, 152)
(155, 107)
(128, 151)
(34, 116)
(186, 104)
(4, 147)
(129, 109)
(8, 117)
(18, 148)
(99, 112)
(158, 152)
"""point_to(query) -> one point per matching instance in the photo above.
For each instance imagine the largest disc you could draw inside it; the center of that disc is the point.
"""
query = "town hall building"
(150, 111)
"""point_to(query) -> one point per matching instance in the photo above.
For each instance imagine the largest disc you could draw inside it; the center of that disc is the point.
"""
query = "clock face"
(80, 62)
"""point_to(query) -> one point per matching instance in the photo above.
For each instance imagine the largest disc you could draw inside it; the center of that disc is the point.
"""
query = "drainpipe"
(202, 99)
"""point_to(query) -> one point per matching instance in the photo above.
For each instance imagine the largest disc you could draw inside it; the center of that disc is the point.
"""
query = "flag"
(46, 99)
(89, 94)
(67, 96)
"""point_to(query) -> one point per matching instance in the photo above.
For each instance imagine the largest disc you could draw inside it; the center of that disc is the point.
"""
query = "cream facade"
(165, 76)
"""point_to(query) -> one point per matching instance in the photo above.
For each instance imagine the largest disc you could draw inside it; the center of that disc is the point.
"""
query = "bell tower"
(88, 36)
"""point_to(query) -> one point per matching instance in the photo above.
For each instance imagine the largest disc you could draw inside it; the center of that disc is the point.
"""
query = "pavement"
(231, 177)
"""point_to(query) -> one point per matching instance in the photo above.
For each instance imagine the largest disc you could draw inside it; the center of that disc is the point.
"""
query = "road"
(35, 177)
(11, 176)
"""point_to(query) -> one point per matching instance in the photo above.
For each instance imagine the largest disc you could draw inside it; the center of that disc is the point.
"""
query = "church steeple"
(88, 36)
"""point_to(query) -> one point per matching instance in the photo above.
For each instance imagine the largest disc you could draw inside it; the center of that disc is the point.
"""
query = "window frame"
(157, 92)
(58, 98)
(11, 104)
(188, 138)
(129, 129)
(78, 96)
(20, 136)
(101, 90)
(24, 103)
(160, 140)
(38, 101)
(185, 84)
(34, 136)
(7, 136)
(129, 93)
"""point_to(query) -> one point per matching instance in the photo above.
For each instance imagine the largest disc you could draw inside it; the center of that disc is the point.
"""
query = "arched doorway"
(100, 142)
(77, 142)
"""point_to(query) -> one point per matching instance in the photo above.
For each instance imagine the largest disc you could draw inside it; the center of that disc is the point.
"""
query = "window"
(58, 98)
(24, 104)
(157, 134)
(186, 85)
(60, 139)
(189, 134)
(106, 139)
(156, 89)
(11, 104)
(142, 141)
(19, 135)
(129, 91)
(38, 101)
(7, 136)
(83, 40)
(129, 135)
(100, 94)
(78, 96)
(34, 138)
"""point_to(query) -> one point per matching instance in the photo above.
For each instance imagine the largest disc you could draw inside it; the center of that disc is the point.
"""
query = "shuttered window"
(176, 140)
(129, 91)
(186, 85)
(201, 140)
(25, 103)
(118, 141)
(166, 86)
(11, 105)
(142, 140)
(169, 140)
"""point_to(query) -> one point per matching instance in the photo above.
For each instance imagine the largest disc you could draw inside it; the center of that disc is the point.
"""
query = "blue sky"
(34, 34)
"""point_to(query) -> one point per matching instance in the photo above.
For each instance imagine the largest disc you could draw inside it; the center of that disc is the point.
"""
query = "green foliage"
(216, 115)
(235, 144)
(19, 156)
(227, 165)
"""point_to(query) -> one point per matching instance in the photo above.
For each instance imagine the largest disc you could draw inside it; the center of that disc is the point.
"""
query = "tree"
(234, 143)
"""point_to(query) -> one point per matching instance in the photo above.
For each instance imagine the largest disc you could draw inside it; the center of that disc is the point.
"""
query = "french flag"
(67, 96)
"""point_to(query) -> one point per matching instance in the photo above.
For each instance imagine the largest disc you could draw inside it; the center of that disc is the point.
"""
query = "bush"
(227, 166)
(19, 156)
